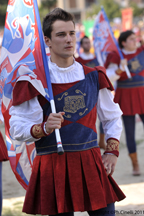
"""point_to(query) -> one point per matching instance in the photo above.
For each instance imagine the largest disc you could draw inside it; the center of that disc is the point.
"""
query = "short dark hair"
(56, 14)
(123, 37)
(81, 41)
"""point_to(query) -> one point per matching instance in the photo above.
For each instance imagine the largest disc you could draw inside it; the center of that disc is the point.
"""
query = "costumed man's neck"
(63, 62)
(87, 52)
(128, 51)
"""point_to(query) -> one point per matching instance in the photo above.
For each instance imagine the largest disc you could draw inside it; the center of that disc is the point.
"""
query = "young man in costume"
(86, 57)
(90, 60)
(129, 92)
(80, 179)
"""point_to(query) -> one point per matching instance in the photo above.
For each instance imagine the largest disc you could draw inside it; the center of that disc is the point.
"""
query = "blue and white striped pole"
(57, 133)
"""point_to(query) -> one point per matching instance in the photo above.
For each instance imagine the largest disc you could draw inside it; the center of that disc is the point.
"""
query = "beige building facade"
(125, 3)
(79, 7)
(76, 7)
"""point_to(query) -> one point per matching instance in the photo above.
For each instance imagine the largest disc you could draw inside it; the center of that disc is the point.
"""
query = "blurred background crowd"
(122, 14)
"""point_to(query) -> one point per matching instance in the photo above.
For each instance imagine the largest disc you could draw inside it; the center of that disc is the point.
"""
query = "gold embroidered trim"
(43, 153)
(118, 71)
(70, 144)
(83, 112)
(73, 103)
(64, 94)
(37, 131)
(112, 145)
(135, 65)
(67, 116)
(78, 91)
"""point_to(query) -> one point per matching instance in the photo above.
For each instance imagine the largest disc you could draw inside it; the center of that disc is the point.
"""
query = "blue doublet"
(79, 104)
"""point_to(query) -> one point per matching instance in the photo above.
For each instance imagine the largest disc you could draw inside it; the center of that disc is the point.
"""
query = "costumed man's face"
(86, 45)
(63, 40)
(130, 44)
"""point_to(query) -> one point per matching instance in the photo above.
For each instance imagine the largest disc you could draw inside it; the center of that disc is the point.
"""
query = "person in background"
(80, 179)
(129, 92)
(3, 157)
(88, 59)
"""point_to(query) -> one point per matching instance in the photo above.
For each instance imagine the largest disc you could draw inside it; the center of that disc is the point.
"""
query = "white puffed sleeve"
(109, 114)
(23, 117)
(111, 72)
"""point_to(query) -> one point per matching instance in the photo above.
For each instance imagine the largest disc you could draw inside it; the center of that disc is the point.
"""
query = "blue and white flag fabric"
(103, 39)
(22, 57)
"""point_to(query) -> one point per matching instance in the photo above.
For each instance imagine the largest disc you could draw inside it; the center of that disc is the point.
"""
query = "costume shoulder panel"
(80, 60)
(104, 81)
(87, 69)
(112, 57)
(23, 91)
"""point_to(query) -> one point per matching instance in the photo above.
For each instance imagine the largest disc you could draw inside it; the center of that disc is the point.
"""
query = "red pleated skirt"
(74, 181)
(131, 100)
(3, 149)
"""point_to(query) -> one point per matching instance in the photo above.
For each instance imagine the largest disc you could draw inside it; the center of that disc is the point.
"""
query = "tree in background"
(3, 7)
(46, 6)
(48, 3)
(111, 8)
(137, 11)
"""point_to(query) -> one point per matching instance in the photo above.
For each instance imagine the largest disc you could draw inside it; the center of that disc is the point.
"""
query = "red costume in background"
(130, 92)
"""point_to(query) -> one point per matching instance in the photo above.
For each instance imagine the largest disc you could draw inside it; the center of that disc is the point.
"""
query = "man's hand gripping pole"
(60, 149)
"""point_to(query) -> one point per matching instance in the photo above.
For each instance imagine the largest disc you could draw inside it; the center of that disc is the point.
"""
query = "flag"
(78, 37)
(127, 18)
(104, 41)
(23, 57)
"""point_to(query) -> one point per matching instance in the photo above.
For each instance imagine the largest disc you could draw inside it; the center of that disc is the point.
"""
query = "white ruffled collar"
(62, 70)
(126, 52)
(70, 74)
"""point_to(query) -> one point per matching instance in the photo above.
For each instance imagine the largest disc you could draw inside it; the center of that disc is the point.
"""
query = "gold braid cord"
(37, 131)
(112, 145)
(118, 71)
